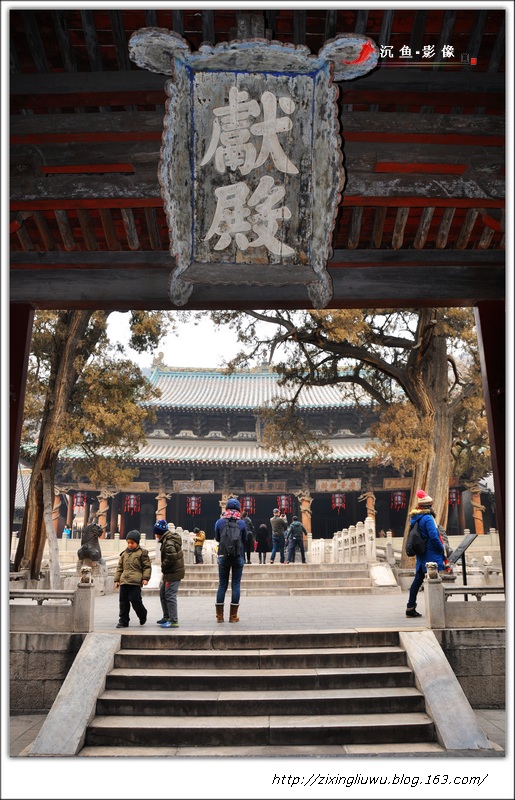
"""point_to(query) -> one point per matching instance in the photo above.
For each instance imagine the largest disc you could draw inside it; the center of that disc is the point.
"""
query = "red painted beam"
(84, 168)
(434, 169)
(424, 138)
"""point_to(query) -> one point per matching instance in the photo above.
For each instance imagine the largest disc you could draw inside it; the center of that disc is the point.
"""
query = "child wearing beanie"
(133, 572)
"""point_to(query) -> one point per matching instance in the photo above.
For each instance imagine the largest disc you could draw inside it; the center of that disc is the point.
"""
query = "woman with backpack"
(435, 550)
(230, 533)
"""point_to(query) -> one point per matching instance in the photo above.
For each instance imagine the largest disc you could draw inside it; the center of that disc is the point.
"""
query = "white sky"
(200, 345)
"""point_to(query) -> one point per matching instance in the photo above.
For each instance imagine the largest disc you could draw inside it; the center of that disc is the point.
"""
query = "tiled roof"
(215, 452)
(215, 389)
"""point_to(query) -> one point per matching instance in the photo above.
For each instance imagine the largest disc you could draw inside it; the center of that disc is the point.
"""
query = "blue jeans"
(418, 580)
(225, 566)
(277, 544)
(293, 543)
(168, 596)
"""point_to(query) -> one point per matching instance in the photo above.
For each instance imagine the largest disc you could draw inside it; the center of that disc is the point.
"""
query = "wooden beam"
(341, 258)
(148, 125)
(147, 287)
(390, 82)
(483, 190)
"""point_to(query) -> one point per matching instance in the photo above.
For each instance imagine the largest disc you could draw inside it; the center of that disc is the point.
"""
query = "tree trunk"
(53, 546)
(432, 403)
(70, 330)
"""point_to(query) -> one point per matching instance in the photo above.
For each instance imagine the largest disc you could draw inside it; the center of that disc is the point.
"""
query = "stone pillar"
(434, 597)
(84, 608)
(477, 509)
(161, 504)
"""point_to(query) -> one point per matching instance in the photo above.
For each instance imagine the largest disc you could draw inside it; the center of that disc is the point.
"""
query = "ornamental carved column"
(103, 508)
(370, 498)
(161, 498)
(477, 509)
(305, 501)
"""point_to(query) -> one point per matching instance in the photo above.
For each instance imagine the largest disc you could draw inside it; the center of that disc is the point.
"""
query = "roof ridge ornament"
(251, 166)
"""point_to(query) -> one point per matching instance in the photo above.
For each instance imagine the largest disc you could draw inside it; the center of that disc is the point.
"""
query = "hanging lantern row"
(132, 503)
(454, 497)
(79, 499)
(338, 501)
(284, 504)
(248, 504)
(193, 505)
(398, 500)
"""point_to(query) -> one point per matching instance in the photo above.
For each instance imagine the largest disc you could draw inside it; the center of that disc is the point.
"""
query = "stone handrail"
(76, 615)
(40, 595)
(459, 613)
(353, 544)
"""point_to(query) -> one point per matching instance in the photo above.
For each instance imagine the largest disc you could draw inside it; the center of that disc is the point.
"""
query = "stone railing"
(52, 610)
(353, 544)
(444, 611)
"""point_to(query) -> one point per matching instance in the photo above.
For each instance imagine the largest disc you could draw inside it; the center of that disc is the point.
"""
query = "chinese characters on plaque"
(251, 167)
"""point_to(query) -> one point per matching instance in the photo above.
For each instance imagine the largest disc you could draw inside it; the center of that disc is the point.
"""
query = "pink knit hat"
(423, 499)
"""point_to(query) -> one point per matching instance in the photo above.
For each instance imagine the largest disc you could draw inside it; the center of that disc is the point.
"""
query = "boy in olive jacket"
(172, 568)
(133, 572)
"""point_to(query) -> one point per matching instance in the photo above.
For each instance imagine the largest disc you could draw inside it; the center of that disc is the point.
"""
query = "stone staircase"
(281, 579)
(260, 694)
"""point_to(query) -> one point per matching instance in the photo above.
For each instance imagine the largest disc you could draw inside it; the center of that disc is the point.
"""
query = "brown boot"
(219, 612)
(233, 615)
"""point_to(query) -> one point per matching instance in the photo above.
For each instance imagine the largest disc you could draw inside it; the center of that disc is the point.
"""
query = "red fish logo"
(366, 51)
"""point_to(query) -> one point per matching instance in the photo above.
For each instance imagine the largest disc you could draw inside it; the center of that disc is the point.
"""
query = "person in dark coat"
(172, 568)
(435, 550)
(262, 543)
(249, 542)
(230, 566)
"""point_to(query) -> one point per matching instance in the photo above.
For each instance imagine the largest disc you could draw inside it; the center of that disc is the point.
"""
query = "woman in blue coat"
(435, 550)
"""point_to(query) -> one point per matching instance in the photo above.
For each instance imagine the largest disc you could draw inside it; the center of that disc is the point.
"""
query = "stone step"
(243, 731)
(261, 659)
(252, 702)
(223, 640)
(258, 679)
(282, 590)
(271, 584)
(378, 750)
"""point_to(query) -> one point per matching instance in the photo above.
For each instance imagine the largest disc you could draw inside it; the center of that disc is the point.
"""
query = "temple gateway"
(207, 444)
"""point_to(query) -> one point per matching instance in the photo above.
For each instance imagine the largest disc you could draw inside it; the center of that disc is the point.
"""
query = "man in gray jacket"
(279, 525)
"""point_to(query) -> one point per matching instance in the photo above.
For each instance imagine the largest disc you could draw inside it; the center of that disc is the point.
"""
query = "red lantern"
(132, 503)
(284, 504)
(454, 497)
(248, 504)
(193, 505)
(338, 501)
(79, 500)
(398, 500)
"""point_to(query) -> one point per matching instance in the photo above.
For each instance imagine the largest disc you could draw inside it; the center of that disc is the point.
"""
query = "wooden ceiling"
(422, 216)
